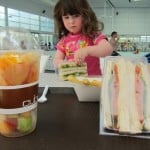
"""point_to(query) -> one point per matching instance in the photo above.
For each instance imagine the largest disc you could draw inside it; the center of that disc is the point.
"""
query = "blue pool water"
(131, 54)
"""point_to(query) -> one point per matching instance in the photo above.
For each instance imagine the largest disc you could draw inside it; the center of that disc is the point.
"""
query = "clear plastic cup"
(19, 75)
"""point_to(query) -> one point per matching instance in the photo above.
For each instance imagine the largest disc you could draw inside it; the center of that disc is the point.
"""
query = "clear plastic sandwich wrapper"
(125, 97)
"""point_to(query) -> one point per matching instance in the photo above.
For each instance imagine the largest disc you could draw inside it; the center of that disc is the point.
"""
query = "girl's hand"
(80, 55)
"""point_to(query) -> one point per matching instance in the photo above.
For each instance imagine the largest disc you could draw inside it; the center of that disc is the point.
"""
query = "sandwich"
(67, 69)
(125, 96)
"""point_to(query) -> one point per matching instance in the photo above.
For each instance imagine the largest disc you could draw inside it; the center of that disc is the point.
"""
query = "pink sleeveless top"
(70, 43)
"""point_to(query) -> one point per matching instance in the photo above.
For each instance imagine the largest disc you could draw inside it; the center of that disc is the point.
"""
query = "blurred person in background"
(114, 43)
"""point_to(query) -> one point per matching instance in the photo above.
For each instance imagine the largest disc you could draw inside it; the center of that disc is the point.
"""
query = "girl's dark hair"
(71, 7)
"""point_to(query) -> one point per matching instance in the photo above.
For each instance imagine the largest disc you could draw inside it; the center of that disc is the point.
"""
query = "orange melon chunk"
(4, 128)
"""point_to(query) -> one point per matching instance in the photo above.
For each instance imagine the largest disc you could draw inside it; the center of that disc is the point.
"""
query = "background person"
(114, 40)
(22, 45)
(114, 43)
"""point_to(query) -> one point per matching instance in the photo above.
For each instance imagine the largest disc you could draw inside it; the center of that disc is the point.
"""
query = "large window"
(2, 16)
(29, 21)
(22, 19)
(41, 27)
(46, 24)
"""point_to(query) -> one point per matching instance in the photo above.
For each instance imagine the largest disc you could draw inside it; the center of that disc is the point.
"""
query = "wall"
(129, 21)
(134, 21)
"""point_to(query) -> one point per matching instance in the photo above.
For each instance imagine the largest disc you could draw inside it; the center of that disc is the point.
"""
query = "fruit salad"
(18, 68)
(16, 125)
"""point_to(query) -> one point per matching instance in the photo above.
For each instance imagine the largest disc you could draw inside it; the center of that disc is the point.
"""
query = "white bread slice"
(146, 78)
(105, 99)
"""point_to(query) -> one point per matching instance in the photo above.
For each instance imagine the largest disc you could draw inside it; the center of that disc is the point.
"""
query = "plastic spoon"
(43, 98)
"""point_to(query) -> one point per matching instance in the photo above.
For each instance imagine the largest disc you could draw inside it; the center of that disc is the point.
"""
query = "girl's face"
(73, 23)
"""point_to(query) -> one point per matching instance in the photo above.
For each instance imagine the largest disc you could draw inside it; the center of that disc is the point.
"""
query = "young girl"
(79, 34)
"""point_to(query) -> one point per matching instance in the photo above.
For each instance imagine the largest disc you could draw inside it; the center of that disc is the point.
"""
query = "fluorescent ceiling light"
(136, 0)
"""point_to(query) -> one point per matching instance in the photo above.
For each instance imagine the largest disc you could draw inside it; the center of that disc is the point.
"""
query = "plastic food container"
(125, 97)
(19, 74)
(88, 92)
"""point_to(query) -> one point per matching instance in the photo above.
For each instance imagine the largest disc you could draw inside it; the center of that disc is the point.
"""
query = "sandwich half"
(71, 68)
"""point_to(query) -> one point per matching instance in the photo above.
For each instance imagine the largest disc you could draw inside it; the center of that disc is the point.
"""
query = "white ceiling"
(100, 3)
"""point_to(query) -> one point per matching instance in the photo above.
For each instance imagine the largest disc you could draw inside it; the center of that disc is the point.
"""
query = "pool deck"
(131, 54)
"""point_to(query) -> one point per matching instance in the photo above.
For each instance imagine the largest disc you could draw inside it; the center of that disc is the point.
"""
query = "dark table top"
(64, 123)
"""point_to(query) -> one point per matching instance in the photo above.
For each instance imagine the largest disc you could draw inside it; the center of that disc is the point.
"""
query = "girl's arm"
(58, 58)
(102, 49)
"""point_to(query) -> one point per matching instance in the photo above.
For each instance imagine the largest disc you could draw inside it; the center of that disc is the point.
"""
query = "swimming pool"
(131, 54)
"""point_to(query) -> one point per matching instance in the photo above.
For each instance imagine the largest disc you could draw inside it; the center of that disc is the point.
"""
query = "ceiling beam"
(110, 4)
